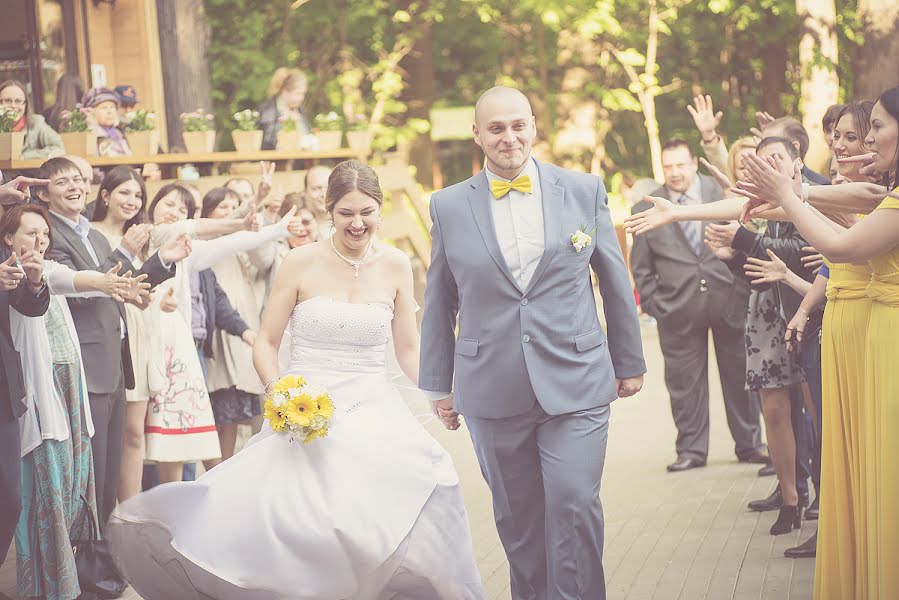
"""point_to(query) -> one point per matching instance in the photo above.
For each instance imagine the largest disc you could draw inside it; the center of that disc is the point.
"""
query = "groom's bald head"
(499, 100)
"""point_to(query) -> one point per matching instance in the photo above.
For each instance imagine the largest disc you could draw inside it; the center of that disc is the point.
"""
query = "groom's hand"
(629, 386)
(445, 412)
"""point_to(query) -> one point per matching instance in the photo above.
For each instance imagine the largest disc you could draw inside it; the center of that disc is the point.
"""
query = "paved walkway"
(668, 536)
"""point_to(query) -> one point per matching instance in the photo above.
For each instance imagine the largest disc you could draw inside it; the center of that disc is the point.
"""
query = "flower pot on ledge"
(289, 140)
(247, 141)
(359, 140)
(328, 141)
(143, 143)
(80, 143)
(198, 142)
(11, 144)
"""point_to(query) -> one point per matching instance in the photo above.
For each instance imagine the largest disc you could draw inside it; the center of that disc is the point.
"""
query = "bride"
(373, 510)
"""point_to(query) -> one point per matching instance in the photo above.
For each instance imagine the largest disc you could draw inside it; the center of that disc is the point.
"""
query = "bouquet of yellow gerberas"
(298, 408)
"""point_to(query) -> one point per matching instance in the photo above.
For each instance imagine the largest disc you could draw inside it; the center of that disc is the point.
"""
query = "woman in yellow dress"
(874, 239)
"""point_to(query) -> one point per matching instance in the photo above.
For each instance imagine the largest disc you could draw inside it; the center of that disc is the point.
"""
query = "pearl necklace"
(353, 263)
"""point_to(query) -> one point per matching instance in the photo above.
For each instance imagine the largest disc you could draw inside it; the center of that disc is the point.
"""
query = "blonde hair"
(286, 79)
(735, 149)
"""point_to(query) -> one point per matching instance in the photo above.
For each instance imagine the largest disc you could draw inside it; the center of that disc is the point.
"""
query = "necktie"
(692, 230)
(500, 188)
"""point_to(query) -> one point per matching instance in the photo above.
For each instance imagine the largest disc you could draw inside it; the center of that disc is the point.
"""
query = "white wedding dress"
(372, 511)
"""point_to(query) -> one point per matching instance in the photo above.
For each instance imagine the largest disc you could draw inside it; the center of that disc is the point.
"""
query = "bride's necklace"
(353, 263)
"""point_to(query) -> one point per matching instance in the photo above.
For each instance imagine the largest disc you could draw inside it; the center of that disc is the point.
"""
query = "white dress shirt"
(518, 218)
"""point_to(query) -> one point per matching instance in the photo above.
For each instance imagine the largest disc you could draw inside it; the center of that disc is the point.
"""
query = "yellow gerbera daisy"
(325, 406)
(275, 416)
(288, 383)
(315, 434)
(301, 409)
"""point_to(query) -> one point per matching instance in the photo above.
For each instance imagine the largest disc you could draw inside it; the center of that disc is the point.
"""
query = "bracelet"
(271, 381)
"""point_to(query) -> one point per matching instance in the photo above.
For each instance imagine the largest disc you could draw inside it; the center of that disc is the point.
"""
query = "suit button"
(525, 338)
(702, 282)
(702, 288)
(524, 301)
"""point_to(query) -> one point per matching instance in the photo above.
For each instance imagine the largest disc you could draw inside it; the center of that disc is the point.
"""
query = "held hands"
(176, 249)
(662, 213)
(629, 386)
(444, 410)
(705, 117)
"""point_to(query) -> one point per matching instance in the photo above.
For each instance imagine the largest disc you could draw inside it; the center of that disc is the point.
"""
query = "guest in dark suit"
(23, 288)
(99, 321)
(689, 292)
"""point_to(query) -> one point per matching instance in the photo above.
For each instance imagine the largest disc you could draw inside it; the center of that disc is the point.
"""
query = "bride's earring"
(331, 229)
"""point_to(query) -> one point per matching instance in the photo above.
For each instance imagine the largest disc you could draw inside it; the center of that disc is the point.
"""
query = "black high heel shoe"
(790, 518)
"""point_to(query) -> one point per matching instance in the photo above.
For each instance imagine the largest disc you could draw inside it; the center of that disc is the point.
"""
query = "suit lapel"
(63, 229)
(552, 196)
(479, 199)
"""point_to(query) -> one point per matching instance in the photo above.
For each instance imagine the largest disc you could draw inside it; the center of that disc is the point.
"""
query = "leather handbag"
(96, 569)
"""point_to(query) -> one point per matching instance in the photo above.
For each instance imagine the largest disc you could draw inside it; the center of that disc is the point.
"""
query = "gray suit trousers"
(554, 546)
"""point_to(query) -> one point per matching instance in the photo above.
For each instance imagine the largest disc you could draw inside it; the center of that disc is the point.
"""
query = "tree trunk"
(419, 96)
(820, 84)
(876, 67)
(183, 42)
(774, 60)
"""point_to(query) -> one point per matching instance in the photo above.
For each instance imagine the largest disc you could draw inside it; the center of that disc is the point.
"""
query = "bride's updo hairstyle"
(349, 176)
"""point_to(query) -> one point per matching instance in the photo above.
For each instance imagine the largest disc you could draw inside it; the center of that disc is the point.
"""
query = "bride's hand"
(660, 214)
(447, 415)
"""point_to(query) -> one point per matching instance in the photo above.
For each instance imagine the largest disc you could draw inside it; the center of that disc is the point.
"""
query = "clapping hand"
(11, 274)
(136, 238)
(765, 271)
(718, 235)
(767, 186)
(812, 261)
(718, 174)
(662, 213)
(176, 249)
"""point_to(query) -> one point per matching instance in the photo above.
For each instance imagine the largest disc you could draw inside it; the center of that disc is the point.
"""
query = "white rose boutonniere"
(580, 240)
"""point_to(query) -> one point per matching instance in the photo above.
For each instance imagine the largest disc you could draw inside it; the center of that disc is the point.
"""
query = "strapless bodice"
(333, 335)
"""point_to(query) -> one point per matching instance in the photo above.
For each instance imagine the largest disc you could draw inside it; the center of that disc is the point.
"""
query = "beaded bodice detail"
(335, 335)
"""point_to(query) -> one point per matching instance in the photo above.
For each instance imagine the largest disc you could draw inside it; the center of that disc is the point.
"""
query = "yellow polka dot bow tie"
(500, 188)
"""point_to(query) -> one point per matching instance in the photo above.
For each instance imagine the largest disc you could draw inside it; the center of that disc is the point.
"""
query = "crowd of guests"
(796, 275)
(127, 332)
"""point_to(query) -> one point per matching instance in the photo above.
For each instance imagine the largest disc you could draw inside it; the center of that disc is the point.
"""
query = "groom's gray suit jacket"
(541, 344)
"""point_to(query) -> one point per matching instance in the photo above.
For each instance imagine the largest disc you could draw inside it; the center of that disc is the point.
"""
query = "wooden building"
(104, 42)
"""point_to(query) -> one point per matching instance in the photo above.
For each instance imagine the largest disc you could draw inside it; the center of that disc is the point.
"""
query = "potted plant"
(11, 142)
(247, 138)
(358, 135)
(141, 132)
(77, 135)
(289, 134)
(329, 131)
(197, 132)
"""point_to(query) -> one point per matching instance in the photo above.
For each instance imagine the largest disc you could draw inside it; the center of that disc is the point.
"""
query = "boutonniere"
(582, 238)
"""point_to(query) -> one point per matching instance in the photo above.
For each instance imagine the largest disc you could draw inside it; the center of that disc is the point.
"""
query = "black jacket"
(219, 312)
(268, 123)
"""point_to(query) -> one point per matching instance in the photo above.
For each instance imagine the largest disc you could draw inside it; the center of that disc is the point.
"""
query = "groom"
(534, 371)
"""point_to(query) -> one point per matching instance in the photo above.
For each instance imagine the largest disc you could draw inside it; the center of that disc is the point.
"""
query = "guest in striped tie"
(690, 291)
